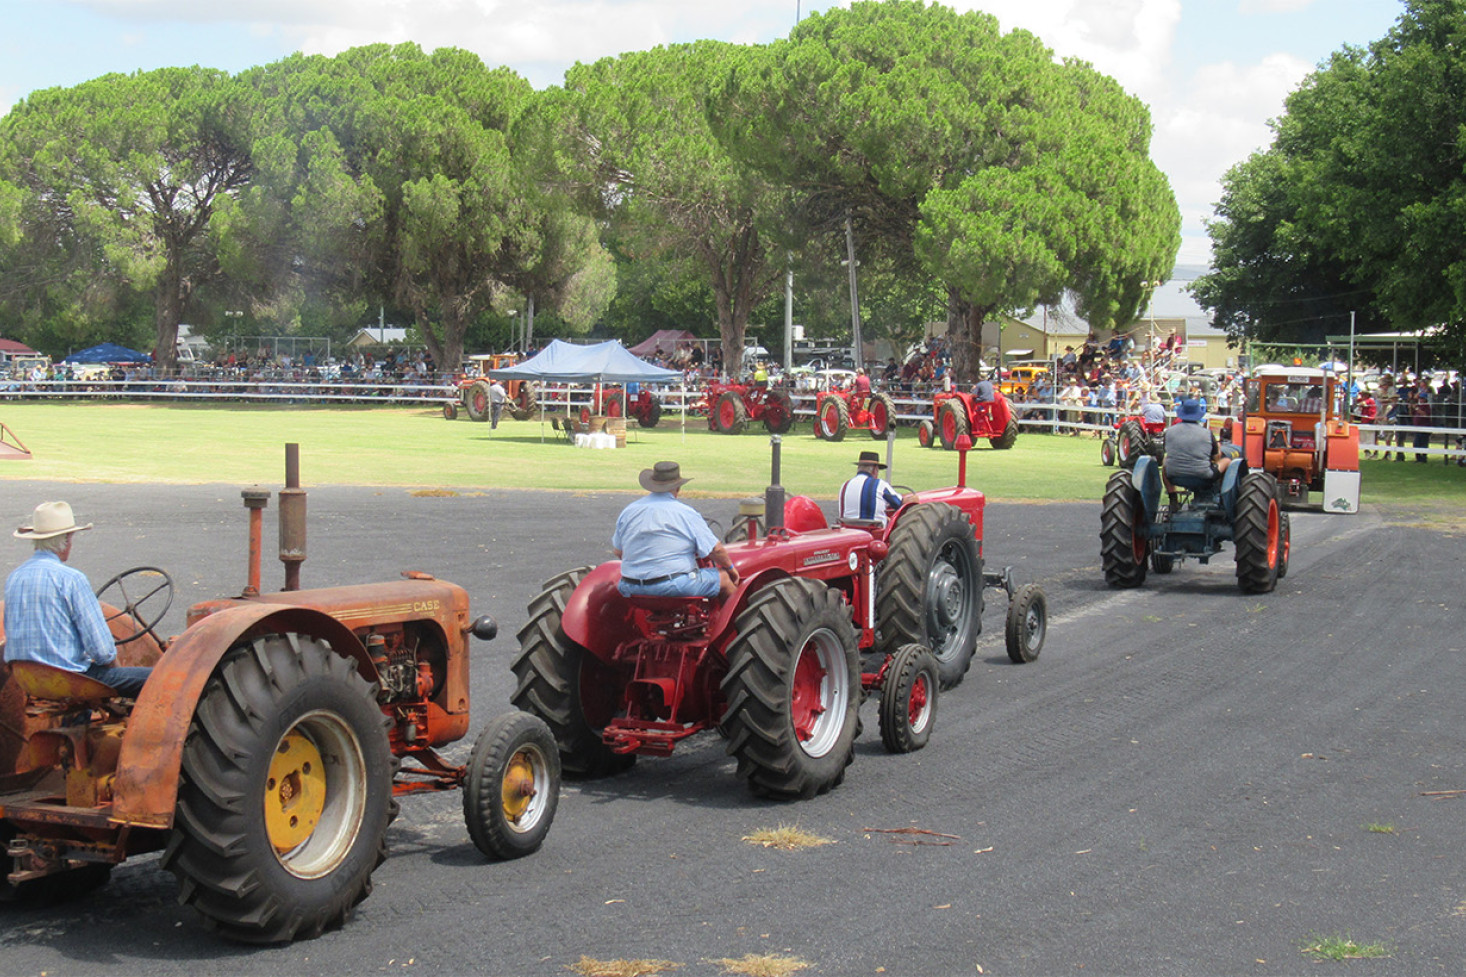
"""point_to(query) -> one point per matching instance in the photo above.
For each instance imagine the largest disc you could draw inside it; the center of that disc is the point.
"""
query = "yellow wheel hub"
(295, 793)
(517, 789)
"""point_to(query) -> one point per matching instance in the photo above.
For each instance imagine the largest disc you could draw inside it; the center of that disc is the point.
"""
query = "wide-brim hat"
(664, 476)
(50, 519)
(1190, 410)
(870, 458)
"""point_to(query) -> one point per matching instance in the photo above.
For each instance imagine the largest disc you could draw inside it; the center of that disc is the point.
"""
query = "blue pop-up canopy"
(607, 362)
(108, 353)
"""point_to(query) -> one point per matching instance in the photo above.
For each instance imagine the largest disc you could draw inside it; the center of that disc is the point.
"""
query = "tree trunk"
(169, 293)
(964, 337)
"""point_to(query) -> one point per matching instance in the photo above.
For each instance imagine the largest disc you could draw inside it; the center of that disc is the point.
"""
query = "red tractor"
(822, 617)
(839, 411)
(730, 406)
(612, 402)
(266, 752)
(956, 415)
(1132, 437)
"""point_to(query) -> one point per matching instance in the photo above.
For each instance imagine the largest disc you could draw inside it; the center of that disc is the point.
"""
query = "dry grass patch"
(761, 965)
(591, 967)
(433, 494)
(788, 837)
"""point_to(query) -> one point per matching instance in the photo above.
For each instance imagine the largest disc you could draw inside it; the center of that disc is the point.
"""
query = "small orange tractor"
(838, 411)
(473, 389)
(1295, 427)
(957, 415)
(822, 617)
(730, 406)
(265, 754)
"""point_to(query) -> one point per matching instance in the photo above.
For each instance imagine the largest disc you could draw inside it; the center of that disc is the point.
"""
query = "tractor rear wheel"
(952, 423)
(834, 419)
(792, 688)
(926, 433)
(512, 787)
(476, 400)
(565, 685)
(929, 588)
(1123, 543)
(1285, 537)
(650, 415)
(1257, 533)
(285, 792)
(522, 407)
(882, 415)
(1130, 443)
(1008, 438)
(909, 699)
(1027, 624)
(731, 413)
(778, 412)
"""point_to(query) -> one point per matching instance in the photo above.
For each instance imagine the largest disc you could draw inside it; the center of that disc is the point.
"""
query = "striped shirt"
(866, 497)
(52, 617)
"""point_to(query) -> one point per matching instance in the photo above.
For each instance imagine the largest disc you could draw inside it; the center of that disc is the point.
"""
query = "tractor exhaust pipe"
(255, 500)
(292, 519)
(774, 494)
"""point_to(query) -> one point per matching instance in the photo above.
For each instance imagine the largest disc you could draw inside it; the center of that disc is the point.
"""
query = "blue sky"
(1213, 71)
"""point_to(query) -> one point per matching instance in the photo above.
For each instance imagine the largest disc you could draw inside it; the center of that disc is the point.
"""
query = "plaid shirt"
(52, 617)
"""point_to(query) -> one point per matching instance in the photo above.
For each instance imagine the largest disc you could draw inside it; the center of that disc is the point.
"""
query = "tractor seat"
(649, 603)
(47, 682)
(862, 524)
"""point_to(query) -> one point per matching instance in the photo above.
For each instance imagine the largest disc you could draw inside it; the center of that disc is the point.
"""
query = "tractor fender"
(146, 790)
(1231, 482)
(1146, 477)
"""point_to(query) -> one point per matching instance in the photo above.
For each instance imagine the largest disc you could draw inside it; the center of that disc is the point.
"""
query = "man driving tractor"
(1194, 459)
(660, 540)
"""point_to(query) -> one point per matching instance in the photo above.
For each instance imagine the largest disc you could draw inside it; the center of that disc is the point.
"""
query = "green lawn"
(416, 447)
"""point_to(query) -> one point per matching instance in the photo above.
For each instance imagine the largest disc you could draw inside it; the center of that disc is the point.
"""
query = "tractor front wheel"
(565, 685)
(285, 792)
(1027, 624)
(926, 433)
(513, 786)
(792, 688)
(929, 588)
(909, 699)
(1123, 543)
(1107, 452)
(450, 410)
(1257, 533)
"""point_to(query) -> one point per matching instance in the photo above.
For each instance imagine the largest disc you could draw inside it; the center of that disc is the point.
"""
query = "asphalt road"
(1185, 782)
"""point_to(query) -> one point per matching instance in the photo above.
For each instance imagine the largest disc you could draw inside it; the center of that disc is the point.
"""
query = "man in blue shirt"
(867, 496)
(52, 617)
(659, 541)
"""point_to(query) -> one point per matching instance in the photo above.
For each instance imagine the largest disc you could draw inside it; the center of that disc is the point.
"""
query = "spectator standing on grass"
(1420, 416)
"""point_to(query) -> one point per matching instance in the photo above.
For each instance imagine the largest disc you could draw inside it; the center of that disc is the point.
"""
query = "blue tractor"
(1139, 532)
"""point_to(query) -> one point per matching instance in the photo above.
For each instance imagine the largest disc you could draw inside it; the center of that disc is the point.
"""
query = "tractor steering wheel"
(143, 621)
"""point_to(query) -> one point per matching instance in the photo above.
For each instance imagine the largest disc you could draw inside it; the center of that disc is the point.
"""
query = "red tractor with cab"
(730, 406)
(266, 752)
(957, 415)
(838, 411)
(823, 616)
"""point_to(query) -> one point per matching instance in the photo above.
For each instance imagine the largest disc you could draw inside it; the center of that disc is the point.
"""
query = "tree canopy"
(1360, 201)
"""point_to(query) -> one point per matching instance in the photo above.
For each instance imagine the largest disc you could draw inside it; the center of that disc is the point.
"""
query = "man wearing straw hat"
(51, 615)
(659, 541)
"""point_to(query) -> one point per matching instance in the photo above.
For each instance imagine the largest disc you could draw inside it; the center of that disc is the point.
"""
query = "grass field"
(417, 448)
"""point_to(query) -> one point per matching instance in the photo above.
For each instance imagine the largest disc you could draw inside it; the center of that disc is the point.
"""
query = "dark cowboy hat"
(664, 476)
(870, 458)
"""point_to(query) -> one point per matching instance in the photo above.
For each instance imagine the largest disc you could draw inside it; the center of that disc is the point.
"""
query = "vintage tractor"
(822, 617)
(614, 402)
(1295, 427)
(730, 406)
(838, 411)
(958, 414)
(266, 752)
(473, 389)
(1131, 437)
(1137, 531)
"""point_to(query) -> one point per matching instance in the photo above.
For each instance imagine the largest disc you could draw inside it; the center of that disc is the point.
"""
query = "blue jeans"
(126, 679)
(702, 582)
